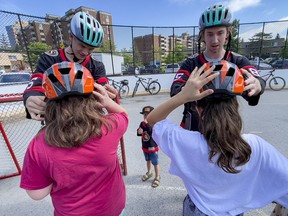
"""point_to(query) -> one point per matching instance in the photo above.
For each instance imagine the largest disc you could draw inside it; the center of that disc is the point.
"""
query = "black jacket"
(190, 117)
(49, 58)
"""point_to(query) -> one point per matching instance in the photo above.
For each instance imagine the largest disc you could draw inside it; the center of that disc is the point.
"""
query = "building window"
(12, 57)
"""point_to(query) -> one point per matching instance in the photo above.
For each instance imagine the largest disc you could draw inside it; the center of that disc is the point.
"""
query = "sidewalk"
(167, 199)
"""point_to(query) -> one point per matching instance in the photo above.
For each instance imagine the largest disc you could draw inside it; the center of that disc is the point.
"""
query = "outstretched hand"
(252, 85)
(198, 78)
(190, 92)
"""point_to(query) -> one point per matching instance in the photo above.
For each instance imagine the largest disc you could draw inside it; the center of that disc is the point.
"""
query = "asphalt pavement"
(268, 120)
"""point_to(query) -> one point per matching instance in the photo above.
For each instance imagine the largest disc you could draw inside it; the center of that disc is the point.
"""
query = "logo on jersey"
(145, 136)
(252, 70)
(52, 53)
(30, 84)
(178, 76)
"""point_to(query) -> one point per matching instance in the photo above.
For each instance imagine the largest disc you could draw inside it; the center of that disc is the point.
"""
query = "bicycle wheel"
(135, 90)
(277, 83)
(123, 91)
(154, 87)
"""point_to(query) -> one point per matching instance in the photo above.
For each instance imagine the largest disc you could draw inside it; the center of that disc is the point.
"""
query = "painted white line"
(256, 132)
(145, 187)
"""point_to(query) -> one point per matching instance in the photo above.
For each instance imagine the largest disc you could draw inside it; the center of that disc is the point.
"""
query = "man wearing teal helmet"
(86, 34)
(215, 26)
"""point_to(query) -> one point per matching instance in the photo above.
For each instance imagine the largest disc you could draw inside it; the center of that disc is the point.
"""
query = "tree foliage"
(35, 49)
(107, 47)
(177, 56)
(3, 42)
(261, 35)
(234, 37)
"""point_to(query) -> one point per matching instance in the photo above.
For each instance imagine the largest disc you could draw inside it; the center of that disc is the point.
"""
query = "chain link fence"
(23, 38)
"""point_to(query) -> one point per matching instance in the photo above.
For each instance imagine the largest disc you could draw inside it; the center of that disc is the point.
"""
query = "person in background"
(86, 34)
(224, 171)
(215, 26)
(279, 210)
(74, 156)
(149, 147)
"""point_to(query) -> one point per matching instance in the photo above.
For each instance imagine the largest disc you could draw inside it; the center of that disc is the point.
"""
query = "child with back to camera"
(224, 171)
(74, 157)
(149, 147)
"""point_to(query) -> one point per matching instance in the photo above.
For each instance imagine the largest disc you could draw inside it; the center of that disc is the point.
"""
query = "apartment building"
(162, 46)
(55, 30)
(13, 30)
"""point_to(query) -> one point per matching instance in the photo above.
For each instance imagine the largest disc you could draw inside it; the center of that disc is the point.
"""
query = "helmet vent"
(88, 20)
(218, 67)
(79, 74)
(213, 16)
(81, 16)
(230, 72)
(56, 83)
(225, 14)
(220, 14)
(203, 18)
(93, 35)
(64, 70)
(88, 31)
(82, 29)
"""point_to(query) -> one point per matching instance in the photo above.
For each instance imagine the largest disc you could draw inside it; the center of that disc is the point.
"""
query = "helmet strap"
(75, 59)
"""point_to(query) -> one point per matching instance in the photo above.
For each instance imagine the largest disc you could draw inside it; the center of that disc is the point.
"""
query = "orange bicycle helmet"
(230, 80)
(67, 78)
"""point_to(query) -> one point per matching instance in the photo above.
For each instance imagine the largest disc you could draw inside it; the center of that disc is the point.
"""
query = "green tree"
(177, 56)
(127, 55)
(107, 47)
(261, 35)
(17, 48)
(35, 49)
(234, 37)
(3, 42)
(284, 51)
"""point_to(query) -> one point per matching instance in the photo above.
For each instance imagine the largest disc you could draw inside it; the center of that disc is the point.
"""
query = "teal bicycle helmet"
(87, 29)
(217, 15)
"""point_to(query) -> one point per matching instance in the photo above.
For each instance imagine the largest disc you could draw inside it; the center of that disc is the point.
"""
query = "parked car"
(261, 65)
(172, 68)
(150, 69)
(14, 82)
(280, 63)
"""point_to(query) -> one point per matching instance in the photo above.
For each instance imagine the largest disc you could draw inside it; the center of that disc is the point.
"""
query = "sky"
(163, 13)
(154, 12)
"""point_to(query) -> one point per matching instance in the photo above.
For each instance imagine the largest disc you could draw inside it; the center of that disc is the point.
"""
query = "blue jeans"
(151, 156)
(189, 208)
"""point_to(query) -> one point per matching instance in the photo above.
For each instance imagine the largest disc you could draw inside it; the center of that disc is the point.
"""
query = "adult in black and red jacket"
(215, 32)
(83, 42)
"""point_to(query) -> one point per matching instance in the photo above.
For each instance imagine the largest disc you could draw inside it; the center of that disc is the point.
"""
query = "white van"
(172, 68)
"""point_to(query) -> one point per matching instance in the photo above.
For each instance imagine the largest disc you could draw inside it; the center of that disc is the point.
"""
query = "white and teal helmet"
(217, 15)
(87, 29)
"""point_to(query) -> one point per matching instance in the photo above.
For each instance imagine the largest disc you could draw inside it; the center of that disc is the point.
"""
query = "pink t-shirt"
(86, 180)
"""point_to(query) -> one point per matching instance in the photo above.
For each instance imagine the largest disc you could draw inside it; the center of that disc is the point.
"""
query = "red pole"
(11, 152)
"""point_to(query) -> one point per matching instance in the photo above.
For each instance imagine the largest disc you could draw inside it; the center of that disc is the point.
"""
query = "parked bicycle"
(121, 86)
(276, 83)
(151, 86)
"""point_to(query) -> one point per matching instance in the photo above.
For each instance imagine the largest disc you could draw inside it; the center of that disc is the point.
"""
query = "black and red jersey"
(49, 58)
(190, 117)
(148, 144)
